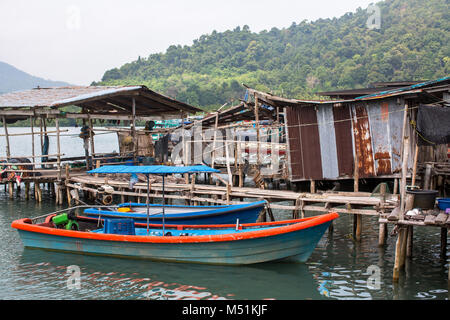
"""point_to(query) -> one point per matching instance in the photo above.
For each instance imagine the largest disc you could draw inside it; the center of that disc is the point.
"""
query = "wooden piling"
(11, 189)
(32, 143)
(409, 242)
(133, 131)
(399, 252)
(8, 150)
(258, 134)
(37, 191)
(27, 190)
(404, 173)
(382, 234)
(444, 232)
(58, 148)
(312, 186)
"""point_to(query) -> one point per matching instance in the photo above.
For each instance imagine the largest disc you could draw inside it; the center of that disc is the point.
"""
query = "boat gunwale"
(25, 224)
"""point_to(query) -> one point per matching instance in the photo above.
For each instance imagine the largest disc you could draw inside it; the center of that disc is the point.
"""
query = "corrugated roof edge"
(94, 94)
(404, 89)
(412, 89)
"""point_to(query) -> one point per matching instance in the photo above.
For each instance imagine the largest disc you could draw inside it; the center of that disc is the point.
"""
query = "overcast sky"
(78, 40)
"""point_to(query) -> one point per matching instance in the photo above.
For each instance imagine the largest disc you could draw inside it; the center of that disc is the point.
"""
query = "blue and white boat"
(179, 214)
(236, 244)
(174, 214)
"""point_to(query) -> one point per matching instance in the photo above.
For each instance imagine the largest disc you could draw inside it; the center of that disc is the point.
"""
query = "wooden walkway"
(341, 202)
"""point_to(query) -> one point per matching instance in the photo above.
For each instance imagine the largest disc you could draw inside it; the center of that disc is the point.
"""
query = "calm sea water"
(339, 268)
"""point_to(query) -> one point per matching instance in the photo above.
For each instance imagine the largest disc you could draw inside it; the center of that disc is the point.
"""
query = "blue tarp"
(161, 170)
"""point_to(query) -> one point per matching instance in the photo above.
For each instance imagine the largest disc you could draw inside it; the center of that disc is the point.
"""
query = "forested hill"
(307, 57)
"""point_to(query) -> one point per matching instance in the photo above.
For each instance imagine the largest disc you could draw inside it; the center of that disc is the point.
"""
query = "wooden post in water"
(382, 226)
(8, 156)
(444, 242)
(38, 191)
(86, 148)
(32, 145)
(398, 263)
(58, 148)
(404, 173)
(409, 241)
(416, 154)
(91, 140)
(41, 120)
(186, 153)
(8, 150)
(66, 182)
(27, 190)
(133, 130)
(227, 155)
(240, 169)
(401, 245)
(258, 135)
(312, 186)
(357, 217)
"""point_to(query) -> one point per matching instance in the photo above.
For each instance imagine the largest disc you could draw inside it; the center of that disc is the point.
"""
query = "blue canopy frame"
(157, 170)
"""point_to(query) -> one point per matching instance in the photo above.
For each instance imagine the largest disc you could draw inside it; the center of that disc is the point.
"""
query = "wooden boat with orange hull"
(231, 244)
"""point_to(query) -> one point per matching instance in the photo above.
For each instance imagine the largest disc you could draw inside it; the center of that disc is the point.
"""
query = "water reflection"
(337, 269)
(112, 278)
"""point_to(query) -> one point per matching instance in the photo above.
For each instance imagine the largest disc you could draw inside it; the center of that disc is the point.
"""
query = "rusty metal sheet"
(396, 112)
(380, 134)
(362, 141)
(310, 143)
(304, 144)
(343, 135)
(295, 150)
(327, 137)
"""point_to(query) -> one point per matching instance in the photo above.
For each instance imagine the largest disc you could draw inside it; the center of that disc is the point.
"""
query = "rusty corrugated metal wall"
(304, 144)
(362, 141)
(324, 140)
(344, 142)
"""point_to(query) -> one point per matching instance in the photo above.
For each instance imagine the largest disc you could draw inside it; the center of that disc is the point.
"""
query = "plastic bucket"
(424, 199)
(444, 203)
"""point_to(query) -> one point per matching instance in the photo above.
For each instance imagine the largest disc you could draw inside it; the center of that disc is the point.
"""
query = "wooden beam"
(133, 129)
(98, 97)
(58, 149)
(121, 116)
(170, 103)
(404, 173)
(258, 134)
(32, 139)
(8, 150)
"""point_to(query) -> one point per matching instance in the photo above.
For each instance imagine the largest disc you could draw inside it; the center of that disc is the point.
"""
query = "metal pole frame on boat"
(148, 202)
(163, 205)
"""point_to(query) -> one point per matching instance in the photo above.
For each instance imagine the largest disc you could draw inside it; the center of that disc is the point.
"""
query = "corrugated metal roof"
(47, 97)
(404, 89)
(279, 101)
(96, 99)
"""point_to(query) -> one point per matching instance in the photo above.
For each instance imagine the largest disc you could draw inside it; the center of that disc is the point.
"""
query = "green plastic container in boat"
(60, 219)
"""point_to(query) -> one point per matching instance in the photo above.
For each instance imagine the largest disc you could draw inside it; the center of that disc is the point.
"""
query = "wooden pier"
(69, 183)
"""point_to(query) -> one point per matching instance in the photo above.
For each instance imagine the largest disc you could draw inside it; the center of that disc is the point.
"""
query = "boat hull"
(295, 241)
(246, 213)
